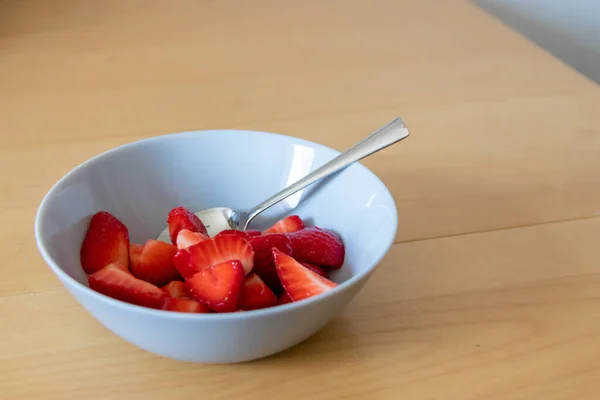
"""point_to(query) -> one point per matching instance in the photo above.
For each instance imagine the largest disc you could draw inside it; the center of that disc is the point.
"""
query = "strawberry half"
(214, 251)
(106, 241)
(315, 268)
(264, 265)
(154, 263)
(177, 290)
(187, 238)
(184, 305)
(318, 246)
(289, 224)
(298, 281)
(115, 281)
(218, 286)
(180, 218)
(255, 294)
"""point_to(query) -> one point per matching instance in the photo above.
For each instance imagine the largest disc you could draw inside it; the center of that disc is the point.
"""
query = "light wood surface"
(492, 290)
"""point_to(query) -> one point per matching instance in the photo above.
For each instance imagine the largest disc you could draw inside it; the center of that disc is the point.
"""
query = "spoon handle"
(385, 136)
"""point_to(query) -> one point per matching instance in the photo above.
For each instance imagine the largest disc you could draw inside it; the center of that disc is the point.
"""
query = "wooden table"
(492, 290)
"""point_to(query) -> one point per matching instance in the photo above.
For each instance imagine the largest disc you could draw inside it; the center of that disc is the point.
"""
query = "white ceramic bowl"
(141, 182)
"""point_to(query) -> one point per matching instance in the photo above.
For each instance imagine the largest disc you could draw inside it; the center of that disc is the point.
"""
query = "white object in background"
(568, 29)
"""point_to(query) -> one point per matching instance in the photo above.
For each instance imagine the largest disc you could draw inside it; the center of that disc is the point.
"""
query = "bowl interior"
(141, 182)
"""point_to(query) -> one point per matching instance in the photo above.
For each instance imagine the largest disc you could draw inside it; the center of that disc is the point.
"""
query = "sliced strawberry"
(184, 305)
(256, 294)
(106, 241)
(289, 224)
(116, 282)
(214, 251)
(315, 268)
(318, 246)
(284, 299)
(264, 265)
(187, 238)
(218, 286)
(177, 290)
(155, 263)
(180, 218)
(243, 234)
(298, 281)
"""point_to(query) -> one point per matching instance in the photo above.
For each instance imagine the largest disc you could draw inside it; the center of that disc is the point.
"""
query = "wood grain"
(491, 291)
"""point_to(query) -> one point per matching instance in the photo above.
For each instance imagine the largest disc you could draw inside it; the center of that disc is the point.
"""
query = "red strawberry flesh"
(115, 281)
(135, 253)
(218, 286)
(289, 224)
(318, 246)
(315, 268)
(177, 290)
(243, 234)
(187, 238)
(264, 265)
(214, 251)
(184, 305)
(155, 263)
(106, 241)
(284, 299)
(255, 294)
(179, 218)
(298, 281)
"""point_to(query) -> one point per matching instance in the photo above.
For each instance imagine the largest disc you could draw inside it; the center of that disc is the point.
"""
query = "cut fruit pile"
(232, 271)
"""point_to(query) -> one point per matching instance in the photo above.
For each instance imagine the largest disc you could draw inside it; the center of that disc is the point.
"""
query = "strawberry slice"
(177, 290)
(318, 246)
(298, 281)
(255, 294)
(218, 286)
(315, 268)
(243, 234)
(180, 218)
(214, 251)
(115, 281)
(284, 299)
(106, 241)
(264, 265)
(154, 263)
(184, 305)
(187, 238)
(289, 224)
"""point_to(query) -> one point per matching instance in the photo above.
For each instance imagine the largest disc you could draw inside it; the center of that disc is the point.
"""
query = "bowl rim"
(67, 280)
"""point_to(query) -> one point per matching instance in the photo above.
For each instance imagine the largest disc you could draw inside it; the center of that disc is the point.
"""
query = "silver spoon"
(218, 219)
